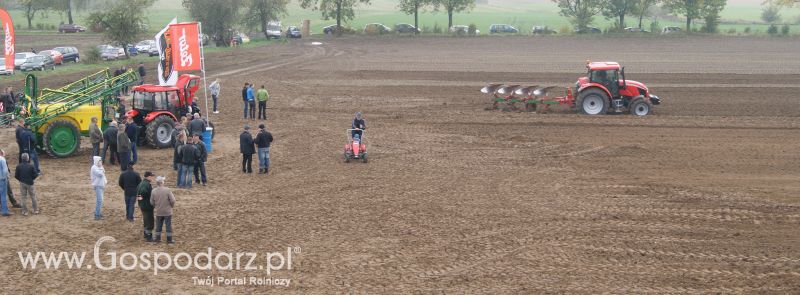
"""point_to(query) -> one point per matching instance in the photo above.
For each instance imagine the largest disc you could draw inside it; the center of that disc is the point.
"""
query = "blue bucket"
(207, 138)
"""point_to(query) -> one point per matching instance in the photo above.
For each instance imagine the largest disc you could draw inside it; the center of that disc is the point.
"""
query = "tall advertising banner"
(9, 42)
(185, 46)
(167, 75)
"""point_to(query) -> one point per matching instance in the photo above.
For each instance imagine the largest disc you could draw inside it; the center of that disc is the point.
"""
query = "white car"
(145, 45)
(21, 57)
(462, 29)
(274, 30)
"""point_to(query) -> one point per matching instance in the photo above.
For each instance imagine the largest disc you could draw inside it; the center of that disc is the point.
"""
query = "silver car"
(112, 53)
(20, 58)
(3, 70)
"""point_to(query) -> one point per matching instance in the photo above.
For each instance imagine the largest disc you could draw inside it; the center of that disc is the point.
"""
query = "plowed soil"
(700, 197)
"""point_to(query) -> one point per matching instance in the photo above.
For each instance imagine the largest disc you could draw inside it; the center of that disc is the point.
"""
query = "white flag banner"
(167, 75)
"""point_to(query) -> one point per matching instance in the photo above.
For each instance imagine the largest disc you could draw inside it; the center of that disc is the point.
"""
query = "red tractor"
(603, 89)
(158, 108)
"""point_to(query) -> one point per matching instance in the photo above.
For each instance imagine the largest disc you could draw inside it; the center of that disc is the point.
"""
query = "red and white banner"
(9, 42)
(167, 75)
(185, 46)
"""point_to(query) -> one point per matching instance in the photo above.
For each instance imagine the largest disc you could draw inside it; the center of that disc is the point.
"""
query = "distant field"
(521, 14)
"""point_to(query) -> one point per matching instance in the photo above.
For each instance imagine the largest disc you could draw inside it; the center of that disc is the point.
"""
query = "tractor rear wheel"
(592, 102)
(640, 107)
(61, 139)
(159, 132)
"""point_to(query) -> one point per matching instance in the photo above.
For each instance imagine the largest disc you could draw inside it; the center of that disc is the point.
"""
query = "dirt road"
(701, 197)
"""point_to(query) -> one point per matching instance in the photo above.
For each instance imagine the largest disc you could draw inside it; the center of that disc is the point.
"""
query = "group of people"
(250, 96)
(189, 151)
(120, 141)
(248, 146)
(25, 174)
(156, 204)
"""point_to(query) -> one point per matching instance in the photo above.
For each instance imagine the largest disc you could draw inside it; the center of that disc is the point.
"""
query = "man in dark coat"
(123, 148)
(189, 155)
(247, 148)
(263, 140)
(200, 165)
(27, 142)
(142, 73)
(129, 182)
(110, 142)
(133, 134)
(26, 174)
(244, 98)
(197, 126)
(143, 196)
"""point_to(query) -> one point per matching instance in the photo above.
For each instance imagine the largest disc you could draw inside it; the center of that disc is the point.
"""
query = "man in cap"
(247, 148)
(143, 196)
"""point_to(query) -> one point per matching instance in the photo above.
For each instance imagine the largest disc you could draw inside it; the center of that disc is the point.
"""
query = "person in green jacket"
(262, 96)
(143, 196)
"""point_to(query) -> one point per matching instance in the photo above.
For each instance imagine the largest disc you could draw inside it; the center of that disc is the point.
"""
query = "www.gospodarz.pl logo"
(209, 260)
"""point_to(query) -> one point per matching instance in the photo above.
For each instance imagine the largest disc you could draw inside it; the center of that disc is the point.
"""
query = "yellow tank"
(79, 117)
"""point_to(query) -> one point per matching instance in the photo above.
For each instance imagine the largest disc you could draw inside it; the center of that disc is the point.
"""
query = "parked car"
(670, 30)
(502, 28)
(542, 30)
(635, 30)
(20, 58)
(71, 28)
(38, 62)
(274, 30)
(406, 28)
(331, 29)
(376, 29)
(145, 45)
(462, 30)
(3, 70)
(588, 30)
(293, 32)
(57, 57)
(69, 53)
(112, 53)
(153, 51)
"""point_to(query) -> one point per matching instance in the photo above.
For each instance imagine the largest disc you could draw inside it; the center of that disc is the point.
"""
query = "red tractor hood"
(637, 84)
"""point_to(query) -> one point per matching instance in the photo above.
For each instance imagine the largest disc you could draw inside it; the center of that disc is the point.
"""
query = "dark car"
(71, 28)
(635, 30)
(293, 32)
(376, 29)
(38, 62)
(69, 53)
(501, 28)
(588, 30)
(331, 29)
(406, 28)
(542, 30)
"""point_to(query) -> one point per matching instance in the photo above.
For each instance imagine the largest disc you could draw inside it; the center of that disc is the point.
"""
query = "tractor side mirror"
(624, 82)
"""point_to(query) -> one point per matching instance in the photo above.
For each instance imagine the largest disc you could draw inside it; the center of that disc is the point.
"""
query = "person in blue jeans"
(244, 98)
(3, 184)
(98, 175)
(129, 182)
(251, 101)
(263, 141)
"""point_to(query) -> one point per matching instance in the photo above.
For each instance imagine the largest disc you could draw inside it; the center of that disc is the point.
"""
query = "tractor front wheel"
(592, 102)
(159, 132)
(640, 107)
(61, 139)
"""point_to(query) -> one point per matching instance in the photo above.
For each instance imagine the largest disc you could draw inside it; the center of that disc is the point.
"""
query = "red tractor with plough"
(604, 89)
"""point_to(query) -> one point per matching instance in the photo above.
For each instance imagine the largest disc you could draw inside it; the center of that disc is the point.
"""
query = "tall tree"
(787, 3)
(641, 8)
(261, 12)
(688, 8)
(580, 12)
(770, 13)
(341, 10)
(412, 7)
(123, 22)
(218, 17)
(618, 9)
(68, 6)
(454, 6)
(710, 12)
(32, 7)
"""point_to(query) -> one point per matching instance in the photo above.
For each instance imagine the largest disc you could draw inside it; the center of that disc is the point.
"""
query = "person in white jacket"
(99, 181)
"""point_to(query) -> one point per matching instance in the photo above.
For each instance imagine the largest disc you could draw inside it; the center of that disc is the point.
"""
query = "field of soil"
(700, 197)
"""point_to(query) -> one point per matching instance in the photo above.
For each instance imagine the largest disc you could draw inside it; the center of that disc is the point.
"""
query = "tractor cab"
(151, 98)
(607, 74)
